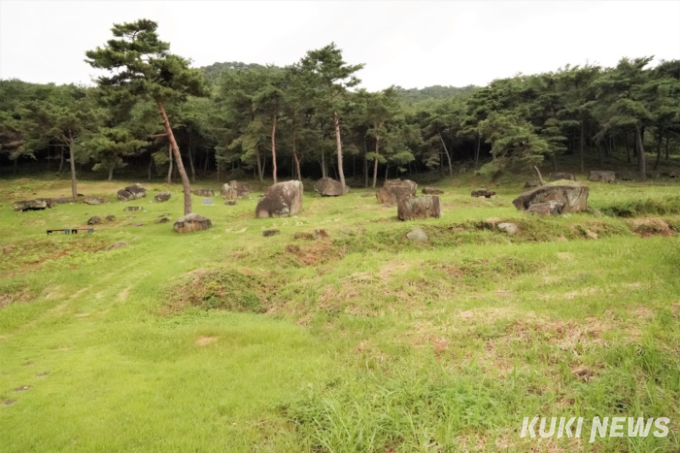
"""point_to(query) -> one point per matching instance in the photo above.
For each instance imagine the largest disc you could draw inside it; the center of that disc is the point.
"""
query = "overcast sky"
(411, 44)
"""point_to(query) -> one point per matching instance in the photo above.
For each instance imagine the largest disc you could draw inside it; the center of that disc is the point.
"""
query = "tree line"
(151, 111)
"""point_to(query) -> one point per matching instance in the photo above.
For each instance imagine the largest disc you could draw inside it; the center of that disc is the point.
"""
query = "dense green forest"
(312, 119)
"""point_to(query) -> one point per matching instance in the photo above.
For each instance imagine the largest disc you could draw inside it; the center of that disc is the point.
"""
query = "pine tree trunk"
(61, 159)
(191, 160)
(641, 153)
(446, 151)
(274, 170)
(668, 141)
(658, 151)
(71, 150)
(324, 170)
(477, 149)
(260, 169)
(150, 166)
(170, 161)
(582, 146)
(110, 174)
(365, 164)
(387, 171)
(186, 187)
(338, 142)
(375, 161)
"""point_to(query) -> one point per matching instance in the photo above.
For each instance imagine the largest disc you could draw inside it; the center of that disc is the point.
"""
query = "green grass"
(228, 341)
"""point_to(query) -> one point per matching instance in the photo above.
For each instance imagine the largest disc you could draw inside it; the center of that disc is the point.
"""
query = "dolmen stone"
(132, 208)
(432, 191)
(551, 207)
(329, 187)
(162, 196)
(94, 220)
(573, 196)
(133, 192)
(411, 208)
(395, 189)
(234, 189)
(94, 200)
(283, 199)
(602, 176)
(483, 193)
(203, 192)
(191, 222)
(562, 175)
(37, 204)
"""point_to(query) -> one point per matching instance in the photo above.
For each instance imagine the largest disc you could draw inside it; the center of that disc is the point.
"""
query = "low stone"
(418, 235)
(329, 187)
(230, 202)
(136, 190)
(118, 245)
(132, 208)
(124, 195)
(395, 189)
(412, 208)
(507, 227)
(268, 233)
(94, 200)
(234, 189)
(37, 204)
(191, 222)
(94, 220)
(549, 208)
(562, 175)
(203, 192)
(62, 200)
(135, 224)
(602, 176)
(283, 199)
(432, 191)
(110, 218)
(163, 196)
(573, 196)
(483, 193)
(162, 220)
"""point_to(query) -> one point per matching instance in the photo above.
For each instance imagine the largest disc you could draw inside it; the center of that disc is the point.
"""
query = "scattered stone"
(531, 184)
(135, 224)
(269, 233)
(483, 193)
(94, 220)
(509, 228)
(551, 207)
(573, 196)
(136, 190)
(191, 222)
(602, 176)
(395, 189)
(329, 187)
(163, 196)
(203, 192)
(37, 204)
(124, 195)
(235, 189)
(94, 200)
(118, 245)
(132, 208)
(22, 388)
(419, 208)
(283, 199)
(110, 218)
(230, 202)
(8, 402)
(418, 235)
(162, 220)
(561, 175)
(432, 191)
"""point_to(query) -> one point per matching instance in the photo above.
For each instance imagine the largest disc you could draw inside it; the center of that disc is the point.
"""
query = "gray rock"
(62, 200)
(509, 228)
(136, 190)
(602, 176)
(37, 204)
(234, 189)
(163, 196)
(417, 235)
(230, 202)
(124, 195)
(203, 192)
(191, 222)
(281, 200)
(162, 220)
(432, 191)
(268, 233)
(135, 224)
(94, 200)
(132, 208)
(411, 208)
(573, 196)
(110, 218)
(551, 207)
(394, 190)
(94, 220)
(483, 193)
(329, 187)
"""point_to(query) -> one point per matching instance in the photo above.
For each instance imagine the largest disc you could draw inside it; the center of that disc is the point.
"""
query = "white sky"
(412, 44)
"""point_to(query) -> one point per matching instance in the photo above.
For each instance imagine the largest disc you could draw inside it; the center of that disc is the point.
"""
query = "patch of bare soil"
(318, 252)
(651, 226)
(205, 341)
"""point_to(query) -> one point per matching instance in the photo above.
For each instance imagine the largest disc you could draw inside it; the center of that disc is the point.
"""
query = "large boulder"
(162, 196)
(124, 195)
(562, 175)
(411, 208)
(234, 189)
(602, 176)
(551, 207)
(191, 222)
(283, 199)
(136, 190)
(396, 189)
(573, 196)
(329, 187)
(201, 192)
(37, 204)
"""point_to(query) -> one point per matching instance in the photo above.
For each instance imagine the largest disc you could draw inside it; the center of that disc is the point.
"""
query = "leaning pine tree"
(143, 68)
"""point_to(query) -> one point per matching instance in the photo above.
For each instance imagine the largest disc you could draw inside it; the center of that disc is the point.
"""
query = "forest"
(311, 119)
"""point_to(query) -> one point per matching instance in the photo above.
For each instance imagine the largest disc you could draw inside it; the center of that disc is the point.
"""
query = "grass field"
(225, 340)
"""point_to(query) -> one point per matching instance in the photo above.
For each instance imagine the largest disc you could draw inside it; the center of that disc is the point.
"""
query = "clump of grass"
(639, 208)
